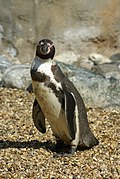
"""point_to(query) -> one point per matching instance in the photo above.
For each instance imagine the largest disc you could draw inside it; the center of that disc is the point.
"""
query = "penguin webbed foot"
(59, 144)
(69, 153)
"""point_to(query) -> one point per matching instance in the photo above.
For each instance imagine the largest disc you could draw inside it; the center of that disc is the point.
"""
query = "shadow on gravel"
(35, 144)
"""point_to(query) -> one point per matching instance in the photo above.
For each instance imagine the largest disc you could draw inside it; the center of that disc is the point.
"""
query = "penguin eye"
(41, 43)
(48, 44)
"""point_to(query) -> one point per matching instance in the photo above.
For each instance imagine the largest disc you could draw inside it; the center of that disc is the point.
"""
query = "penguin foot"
(70, 152)
(62, 155)
(59, 145)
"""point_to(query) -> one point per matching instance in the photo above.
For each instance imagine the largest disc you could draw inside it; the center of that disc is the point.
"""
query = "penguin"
(58, 101)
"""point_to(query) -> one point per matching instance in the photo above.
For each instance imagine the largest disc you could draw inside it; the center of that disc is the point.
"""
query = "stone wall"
(83, 26)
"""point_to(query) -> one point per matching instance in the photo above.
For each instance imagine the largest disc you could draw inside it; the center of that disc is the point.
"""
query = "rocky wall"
(81, 26)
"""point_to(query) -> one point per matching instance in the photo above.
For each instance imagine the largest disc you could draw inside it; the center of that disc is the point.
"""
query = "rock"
(4, 63)
(1, 29)
(82, 32)
(96, 90)
(108, 70)
(79, 26)
(1, 32)
(113, 75)
(68, 57)
(12, 51)
(115, 57)
(98, 59)
(1, 79)
(86, 63)
(17, 76)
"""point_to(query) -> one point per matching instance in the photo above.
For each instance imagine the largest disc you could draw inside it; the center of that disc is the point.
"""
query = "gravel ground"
(26, 153)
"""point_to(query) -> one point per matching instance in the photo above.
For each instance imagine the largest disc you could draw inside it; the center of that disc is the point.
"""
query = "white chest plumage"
(45, 94)
(46, 98)
(46, 69)
(50, 103)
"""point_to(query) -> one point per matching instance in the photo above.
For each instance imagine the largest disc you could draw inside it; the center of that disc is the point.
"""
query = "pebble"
(98, 59)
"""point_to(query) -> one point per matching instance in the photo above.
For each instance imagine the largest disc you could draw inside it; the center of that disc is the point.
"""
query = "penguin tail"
(89, 140)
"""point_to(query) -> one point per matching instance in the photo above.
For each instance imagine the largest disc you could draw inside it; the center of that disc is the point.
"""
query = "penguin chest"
(46, 99)
(52, 110)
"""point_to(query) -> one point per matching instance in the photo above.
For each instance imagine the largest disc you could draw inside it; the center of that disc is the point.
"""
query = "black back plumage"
(87, 139)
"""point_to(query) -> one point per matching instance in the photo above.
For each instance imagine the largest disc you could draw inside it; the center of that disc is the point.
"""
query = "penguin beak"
(49, 47)
(45, 48)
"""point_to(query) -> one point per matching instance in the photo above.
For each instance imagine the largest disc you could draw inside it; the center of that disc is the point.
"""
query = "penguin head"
(45, 49)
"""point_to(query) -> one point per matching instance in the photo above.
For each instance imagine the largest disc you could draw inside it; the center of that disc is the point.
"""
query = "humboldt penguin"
(58, 101)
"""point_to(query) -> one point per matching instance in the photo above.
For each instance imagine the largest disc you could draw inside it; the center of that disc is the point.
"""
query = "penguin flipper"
(29, 88)
(70, 113)
(38, 117)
